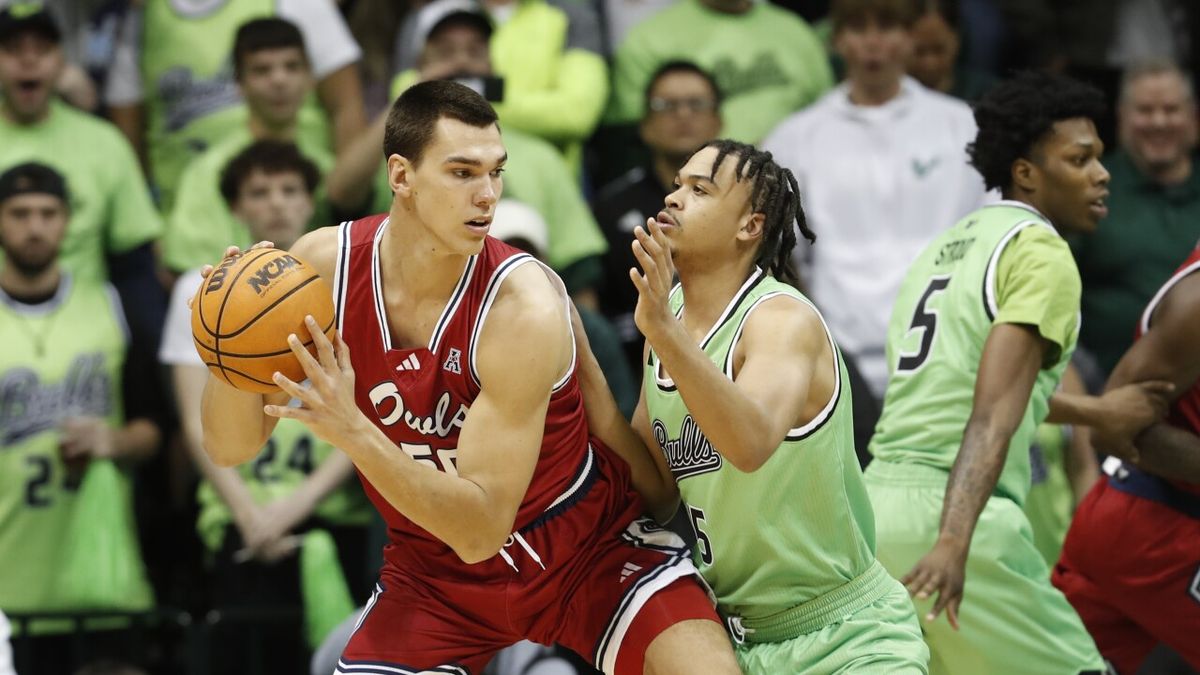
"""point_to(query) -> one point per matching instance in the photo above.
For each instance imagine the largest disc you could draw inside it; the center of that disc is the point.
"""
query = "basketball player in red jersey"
(1131, 561)
(453, 388)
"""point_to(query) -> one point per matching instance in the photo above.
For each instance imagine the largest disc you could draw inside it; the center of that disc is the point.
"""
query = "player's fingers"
(639, 282)
(324, 347)
(944, 596)
(292, 389)
(288, 412)
(310, 365)
(645, 260)
(232, 251)
(343, 354)
(952, 611)
(262, 244)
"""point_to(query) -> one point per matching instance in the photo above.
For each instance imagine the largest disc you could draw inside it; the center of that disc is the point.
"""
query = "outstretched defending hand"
(942, 572)
(653, 253)
(327, 404)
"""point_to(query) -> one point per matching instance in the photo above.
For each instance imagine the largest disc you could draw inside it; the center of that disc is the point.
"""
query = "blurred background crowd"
(162, 131)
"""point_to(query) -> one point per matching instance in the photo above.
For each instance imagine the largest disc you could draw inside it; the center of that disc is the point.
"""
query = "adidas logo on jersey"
(629, 569)
(452, 362)
(411, 363)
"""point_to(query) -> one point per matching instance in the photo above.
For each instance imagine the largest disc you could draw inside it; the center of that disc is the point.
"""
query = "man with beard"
(73, 397)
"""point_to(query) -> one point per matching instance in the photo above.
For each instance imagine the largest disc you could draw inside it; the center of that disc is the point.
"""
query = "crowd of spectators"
(140, 138)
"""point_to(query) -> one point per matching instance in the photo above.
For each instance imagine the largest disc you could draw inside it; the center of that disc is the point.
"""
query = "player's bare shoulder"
(319, 249)
(787, 317)
(528, 320)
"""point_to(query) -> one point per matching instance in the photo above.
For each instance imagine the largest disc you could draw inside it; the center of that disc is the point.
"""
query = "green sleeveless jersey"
(820, 531)
(61, 359)
(192, 99)
(1003, 263)
(290, 455)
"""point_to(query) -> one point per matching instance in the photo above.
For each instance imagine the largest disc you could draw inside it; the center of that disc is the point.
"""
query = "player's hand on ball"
(230, 253)
(653, 253)
(327, 402)
(940, 573)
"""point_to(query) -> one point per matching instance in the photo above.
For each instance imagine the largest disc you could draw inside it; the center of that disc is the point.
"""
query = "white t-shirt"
(176, 348)
(6, 658)
(327, 40)
(877, 185)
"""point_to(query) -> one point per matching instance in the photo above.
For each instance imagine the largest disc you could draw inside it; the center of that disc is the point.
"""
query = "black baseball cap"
(32, 178)
(21, 16)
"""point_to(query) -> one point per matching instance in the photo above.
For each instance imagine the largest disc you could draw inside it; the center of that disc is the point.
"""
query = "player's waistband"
(852, 596)
(1132, 480)
(909, 474)
(581, 483)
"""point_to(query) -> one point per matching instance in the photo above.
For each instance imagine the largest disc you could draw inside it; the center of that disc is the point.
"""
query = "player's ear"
(1025, 175)
(751, 226)
(399, 174)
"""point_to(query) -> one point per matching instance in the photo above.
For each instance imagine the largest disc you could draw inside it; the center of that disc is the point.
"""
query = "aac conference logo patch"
(195, 9)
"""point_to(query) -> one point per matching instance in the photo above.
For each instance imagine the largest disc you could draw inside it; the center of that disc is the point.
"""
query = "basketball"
(243, 313)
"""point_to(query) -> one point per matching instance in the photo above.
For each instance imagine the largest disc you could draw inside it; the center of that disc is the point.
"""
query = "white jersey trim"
(460, 291)
(340, 269)
(1148, 313)
(489, 296)
(660, 377)
(377, 286)
(991, 303)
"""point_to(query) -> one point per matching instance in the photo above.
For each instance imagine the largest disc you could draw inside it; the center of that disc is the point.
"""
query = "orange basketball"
(243, 313)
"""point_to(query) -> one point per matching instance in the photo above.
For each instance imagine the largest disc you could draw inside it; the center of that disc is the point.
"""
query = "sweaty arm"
(1167, 352)
(523, 349)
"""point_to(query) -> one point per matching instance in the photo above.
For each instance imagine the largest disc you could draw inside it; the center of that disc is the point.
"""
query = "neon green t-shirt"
(200, 225)
(1003, 263)
(111, 210)
(767, 61)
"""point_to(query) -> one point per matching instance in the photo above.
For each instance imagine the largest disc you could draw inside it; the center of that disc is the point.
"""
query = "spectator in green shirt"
(275, 78)
(1154, 208)
(456, 46)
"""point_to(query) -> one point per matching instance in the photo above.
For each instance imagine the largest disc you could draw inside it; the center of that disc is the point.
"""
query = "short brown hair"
(414, 116)
(856, 13)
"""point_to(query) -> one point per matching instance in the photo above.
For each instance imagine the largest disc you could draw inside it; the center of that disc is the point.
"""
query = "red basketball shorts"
(592, 578)
(1131, 568)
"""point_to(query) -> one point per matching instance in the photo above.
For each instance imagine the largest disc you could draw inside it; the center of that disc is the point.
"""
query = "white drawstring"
(516, 536)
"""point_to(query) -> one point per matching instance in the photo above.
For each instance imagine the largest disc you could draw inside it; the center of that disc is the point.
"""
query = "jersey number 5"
(702, 540)
(926, 320)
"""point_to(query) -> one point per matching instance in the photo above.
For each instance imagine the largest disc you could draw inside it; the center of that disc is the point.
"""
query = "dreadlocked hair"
(774, 194)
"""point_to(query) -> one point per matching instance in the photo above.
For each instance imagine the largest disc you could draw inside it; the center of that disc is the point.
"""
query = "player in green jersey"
(746, 406)
(981, 331)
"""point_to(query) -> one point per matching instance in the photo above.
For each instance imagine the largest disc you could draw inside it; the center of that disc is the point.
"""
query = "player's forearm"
(350, 182)
(658, 491)
(972, 479)
(1074, 409)
(234, 425)
(136, 441)
(1169, 452)
(455, 510)
(735, 425)
(1080, 462)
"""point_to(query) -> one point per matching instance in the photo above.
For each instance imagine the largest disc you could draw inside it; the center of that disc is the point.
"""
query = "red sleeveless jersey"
(421, 397)
(1186, 411)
